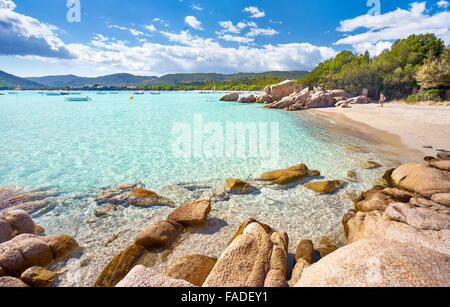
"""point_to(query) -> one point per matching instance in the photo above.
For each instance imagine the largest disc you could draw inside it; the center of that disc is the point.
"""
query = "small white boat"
(78, 99)
(139, 93)
(155, 93)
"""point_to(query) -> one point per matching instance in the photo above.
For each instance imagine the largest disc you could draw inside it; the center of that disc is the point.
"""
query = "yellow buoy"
(132, 97)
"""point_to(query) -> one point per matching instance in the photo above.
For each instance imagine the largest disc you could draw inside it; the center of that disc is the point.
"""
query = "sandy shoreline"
(397, 128)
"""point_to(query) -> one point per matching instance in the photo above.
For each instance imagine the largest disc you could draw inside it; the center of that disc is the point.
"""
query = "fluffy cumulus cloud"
(193, 22)
(191, 53)
(382, 30)
(254, 12)
(444, 4)
(25, 36)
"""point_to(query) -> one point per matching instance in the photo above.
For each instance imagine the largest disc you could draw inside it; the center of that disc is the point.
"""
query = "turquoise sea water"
(79, 146)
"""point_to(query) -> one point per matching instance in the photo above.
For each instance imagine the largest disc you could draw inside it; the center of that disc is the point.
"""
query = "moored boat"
(78, 99)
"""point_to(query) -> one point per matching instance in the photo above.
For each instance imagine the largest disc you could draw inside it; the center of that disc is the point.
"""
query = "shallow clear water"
(78, 148)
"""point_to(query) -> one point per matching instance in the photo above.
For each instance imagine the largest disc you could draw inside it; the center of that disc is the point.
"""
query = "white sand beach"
(398, 128)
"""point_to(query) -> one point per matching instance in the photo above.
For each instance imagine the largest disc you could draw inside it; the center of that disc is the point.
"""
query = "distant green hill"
(109, 80)
(170, 79)
(11, 81)
(174, 79)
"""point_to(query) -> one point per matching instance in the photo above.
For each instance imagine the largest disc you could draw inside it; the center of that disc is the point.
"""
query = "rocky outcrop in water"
(230, 97)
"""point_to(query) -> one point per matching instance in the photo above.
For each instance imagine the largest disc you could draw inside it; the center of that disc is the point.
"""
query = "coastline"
(397, 128)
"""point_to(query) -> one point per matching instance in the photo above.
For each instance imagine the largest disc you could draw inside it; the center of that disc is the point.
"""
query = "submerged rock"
(38, 277)
(440, 164)
(132, 194)
(238, 186)
(142, 277)
(328, 186)
(193, 269)
(379, 263)
(192, 213)
(105, 210)
(369, 164)
(159, 234)
(119, 266)
(285, 176)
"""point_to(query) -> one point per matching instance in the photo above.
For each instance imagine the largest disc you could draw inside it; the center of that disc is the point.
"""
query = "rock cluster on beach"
(398, 235)
(291, 96)
(25, 251)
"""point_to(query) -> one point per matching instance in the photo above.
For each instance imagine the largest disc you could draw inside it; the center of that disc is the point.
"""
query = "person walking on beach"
(382, 99)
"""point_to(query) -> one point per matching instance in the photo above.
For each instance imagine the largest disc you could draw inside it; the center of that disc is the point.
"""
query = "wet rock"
(230, 97)
(369, 164)
(245, 262)
(2, 273)
(346, 218)
(105, 210)
(442, 198)
(159, 234)
(6, 231)
(193, 269)
(20, 221)
(38, 277)
(420, 179)
(379, 263)
(355, 148)
(61, 245)
(285, 176)
(387, 177)
(119, 266)
(192, 213)
(145, 198)
(305, 251)
(11, 282)
(249, 99)
(327, 186)
(314, 173)
(142, 277)
(351, 174)
(239, 186)
(22, 252)
(21, 200)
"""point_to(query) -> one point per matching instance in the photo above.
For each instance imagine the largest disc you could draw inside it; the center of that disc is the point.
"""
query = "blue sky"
(151, 37)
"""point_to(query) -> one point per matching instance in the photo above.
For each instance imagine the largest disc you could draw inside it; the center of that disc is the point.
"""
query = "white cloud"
(194, 54)
(193, 22)
(395, 25)
(196, 7)
(259, 31)
(7, 5)
(374, 49)
(26, 36)
(236, 39)
(443, 4)
(255, 12)
(229, 27)
(150, 28)
(133, 32)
